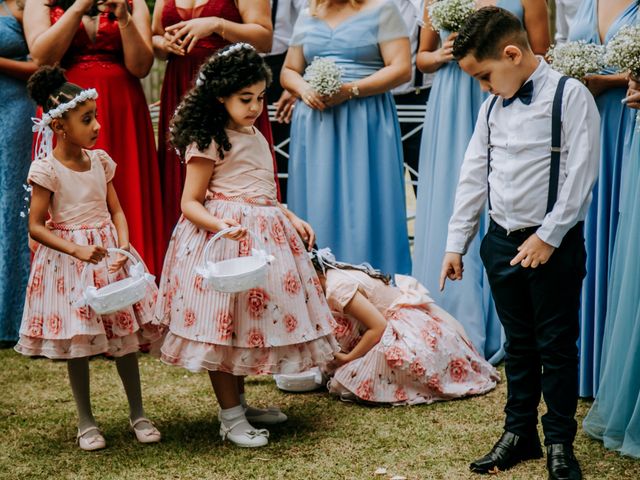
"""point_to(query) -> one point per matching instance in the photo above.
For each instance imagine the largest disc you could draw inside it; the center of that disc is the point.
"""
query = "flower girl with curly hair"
(283, 326)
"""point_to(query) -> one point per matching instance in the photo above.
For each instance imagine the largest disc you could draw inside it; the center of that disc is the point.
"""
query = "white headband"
(44, 139)
(236, 47)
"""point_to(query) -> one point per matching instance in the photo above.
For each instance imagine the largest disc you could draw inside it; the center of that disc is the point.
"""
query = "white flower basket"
(117, 295)
(300, 382)
(236, 274)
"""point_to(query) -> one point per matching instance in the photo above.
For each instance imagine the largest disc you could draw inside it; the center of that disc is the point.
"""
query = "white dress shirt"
(286, 16)
(565, 12)
(520, 162)
(411, 11)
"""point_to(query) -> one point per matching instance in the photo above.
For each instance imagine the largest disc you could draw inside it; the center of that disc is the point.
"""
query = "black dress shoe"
(508, 451)
(562, 463)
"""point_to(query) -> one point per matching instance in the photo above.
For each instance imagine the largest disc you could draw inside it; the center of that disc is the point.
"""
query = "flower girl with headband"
(282, 326)
(72, 186)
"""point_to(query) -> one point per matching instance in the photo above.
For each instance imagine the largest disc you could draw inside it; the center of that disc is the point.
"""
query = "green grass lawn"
(324, 438)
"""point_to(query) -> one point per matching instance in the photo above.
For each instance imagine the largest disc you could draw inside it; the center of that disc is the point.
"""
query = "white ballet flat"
(148, 435)
(250, 438)
(94, 442)
(271, 416)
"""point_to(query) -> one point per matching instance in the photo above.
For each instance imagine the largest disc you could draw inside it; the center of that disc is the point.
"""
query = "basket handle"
(223, 232)
(89, 266)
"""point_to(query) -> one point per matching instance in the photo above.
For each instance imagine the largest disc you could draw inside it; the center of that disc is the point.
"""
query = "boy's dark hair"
(487, 31)
(200, 117)
(48, 87)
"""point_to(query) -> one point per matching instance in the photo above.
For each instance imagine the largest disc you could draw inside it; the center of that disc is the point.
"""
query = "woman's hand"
(596, 84)
(633, 94)
(339, 97)
(445, 53)
(90, 253)
(167, 44)
(312, 98)
(119, 8)
(187, 33)
(230, 222)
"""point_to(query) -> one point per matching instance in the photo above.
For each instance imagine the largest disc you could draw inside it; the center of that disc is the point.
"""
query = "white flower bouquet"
(450, 15)
(577, 59)
(324, 76)
(623, 51)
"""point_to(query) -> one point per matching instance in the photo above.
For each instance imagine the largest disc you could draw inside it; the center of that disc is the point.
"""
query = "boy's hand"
(452, 268)
(533, 252)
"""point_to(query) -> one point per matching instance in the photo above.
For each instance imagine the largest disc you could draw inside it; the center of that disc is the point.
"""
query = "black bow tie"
(525, 94)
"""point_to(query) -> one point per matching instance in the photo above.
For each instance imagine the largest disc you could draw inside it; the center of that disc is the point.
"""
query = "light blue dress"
(602, 220)
(345, 165)
(452, 111)
(614, 417)
(16, 110)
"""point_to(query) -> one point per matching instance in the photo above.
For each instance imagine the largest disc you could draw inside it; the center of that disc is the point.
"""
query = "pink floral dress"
(52, 325)
(283, 326)
(424, 354)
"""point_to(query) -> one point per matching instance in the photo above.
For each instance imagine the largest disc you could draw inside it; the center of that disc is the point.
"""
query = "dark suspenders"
(556, 146)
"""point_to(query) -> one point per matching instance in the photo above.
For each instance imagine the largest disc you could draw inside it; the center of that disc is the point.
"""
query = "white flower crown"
(41, 126)
(236, 47)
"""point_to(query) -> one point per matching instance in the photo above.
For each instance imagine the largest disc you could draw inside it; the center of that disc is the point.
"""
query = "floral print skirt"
(421, 358)
(54, 326)
(283, 326)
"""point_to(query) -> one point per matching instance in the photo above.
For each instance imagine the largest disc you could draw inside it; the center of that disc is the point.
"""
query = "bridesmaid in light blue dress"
(601, 222)
(16, 110)
(345, 160)
(614, 417)
(451, 115)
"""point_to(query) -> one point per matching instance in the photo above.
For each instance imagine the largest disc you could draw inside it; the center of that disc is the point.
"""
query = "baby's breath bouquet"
(577, 59)
(324, 76)
(450, 15)
(623, 51)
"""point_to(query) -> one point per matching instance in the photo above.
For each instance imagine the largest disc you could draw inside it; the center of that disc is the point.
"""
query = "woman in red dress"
(185, 33)
(110, 50)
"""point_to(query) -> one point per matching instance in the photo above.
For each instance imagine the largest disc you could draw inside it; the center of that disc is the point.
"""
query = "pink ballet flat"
(94, 442)
(148, 435)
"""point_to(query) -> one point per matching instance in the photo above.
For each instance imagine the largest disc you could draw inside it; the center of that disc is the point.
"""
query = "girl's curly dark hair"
(48, 87)
(201, 117)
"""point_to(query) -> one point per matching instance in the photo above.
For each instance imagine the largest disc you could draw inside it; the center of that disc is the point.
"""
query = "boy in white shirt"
(535, 161)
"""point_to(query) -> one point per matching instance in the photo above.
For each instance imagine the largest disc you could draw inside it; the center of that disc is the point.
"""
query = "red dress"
(126, 133)
(178, 79)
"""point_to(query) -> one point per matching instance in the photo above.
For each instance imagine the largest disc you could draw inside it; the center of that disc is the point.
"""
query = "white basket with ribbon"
(236, 274)
(117, 295)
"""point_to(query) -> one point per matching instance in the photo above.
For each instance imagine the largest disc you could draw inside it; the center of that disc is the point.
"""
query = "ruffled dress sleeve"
(107, 163)
(210, 153)
(342, 286)
(391, 26)
(42, 173)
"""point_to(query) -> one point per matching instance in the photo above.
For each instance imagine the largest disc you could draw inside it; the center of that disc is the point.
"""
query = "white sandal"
(149, 435)
(94, 442)
(270, 416)
(246, 438)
